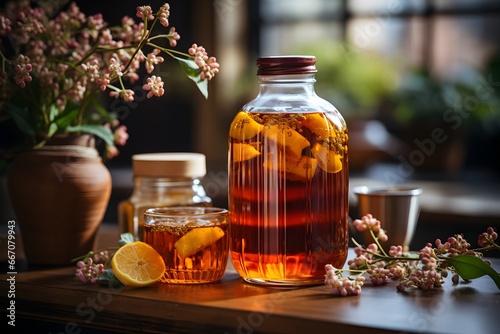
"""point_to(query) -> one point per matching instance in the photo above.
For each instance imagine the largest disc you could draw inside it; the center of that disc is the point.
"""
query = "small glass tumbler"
(193, 242)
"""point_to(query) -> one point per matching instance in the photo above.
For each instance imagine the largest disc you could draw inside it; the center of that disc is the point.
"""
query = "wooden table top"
(54, 301)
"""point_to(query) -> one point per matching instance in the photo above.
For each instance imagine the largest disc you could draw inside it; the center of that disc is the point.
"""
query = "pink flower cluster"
(427, 271)
(341, 285)
(379, 270)
(155, 86)
(454, 246)
(367, 222)
(364, 257)
(91, 267)
(425, 280)
(428, 276)
(22, 70)
(89, 272)
(73, 57)
(120, 137)
(487, 239)
(145, 12)
(119, 51)
(208, 65)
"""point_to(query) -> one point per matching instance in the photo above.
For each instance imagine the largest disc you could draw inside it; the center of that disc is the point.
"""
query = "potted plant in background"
(460, 110)
(55, 64)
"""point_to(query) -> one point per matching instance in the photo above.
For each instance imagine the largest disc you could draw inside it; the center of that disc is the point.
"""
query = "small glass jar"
(288, 179)
(193, 242)
(162, 180)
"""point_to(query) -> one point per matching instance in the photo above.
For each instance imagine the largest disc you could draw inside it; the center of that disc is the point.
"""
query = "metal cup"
(397, 208)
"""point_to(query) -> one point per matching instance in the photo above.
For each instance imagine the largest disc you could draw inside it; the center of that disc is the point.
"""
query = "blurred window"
(441, 35)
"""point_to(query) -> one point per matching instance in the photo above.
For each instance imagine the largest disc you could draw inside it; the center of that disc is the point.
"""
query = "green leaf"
(193, 72)
(203, 87)
(114, 283)
(64, 119)
(470, 267)
(53, 112)
(189, 66)
(108, 278)
(52, 129)
(126, 238)
(97, 130)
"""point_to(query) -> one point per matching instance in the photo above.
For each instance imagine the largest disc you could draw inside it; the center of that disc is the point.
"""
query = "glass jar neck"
(287, 84)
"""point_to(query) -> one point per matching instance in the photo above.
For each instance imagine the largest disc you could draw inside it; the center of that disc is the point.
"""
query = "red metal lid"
(277, 65)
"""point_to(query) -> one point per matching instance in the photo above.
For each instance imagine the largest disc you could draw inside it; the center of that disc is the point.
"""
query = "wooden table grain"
(52, 300)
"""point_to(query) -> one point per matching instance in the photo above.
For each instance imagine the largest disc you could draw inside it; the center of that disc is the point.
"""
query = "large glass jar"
(162, 180)
(288, 179)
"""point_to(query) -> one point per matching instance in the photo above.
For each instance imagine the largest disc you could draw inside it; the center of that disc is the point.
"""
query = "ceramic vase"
(59, 194)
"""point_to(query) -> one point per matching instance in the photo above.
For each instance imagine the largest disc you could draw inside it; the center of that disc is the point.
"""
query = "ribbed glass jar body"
(288, 179)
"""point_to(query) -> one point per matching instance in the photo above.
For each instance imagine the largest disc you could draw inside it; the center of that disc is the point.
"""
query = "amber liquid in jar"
(288, 186)
(205, 265)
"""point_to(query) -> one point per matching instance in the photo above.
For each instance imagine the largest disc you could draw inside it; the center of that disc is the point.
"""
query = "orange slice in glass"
(243, 127)
(197, 239)
(319, 124)
(301, 169)
(137, 264)
(328, 160)
(287, 138)
(242, 152)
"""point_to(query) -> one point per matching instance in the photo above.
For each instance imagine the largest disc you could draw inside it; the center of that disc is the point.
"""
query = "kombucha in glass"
(193, 242)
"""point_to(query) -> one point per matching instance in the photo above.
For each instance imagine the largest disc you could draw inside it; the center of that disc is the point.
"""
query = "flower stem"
(144, 40)
(384, 256)
(170, 52)
(377, 242)
(92, 253)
